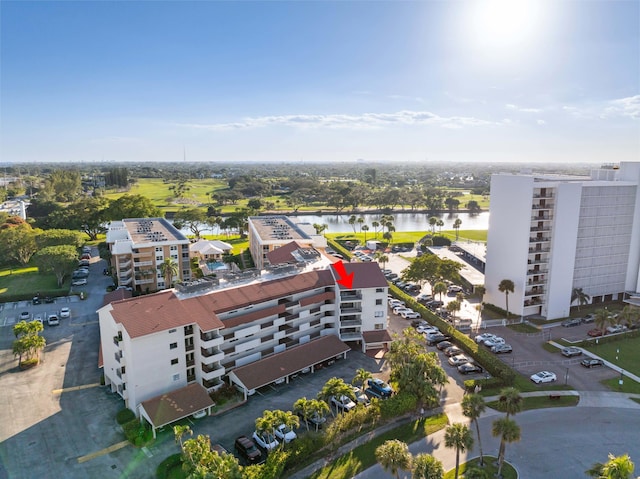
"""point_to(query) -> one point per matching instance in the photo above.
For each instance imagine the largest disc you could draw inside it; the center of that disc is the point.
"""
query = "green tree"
(456, 226)
(56, 237)
(453, 307)
(506, 286)
(169, 270)
(508, 431)
(375, 225)
(473, 406)
(602, 319)
(28, 342)
(510, 401)
(381, 258)
(267, 424)
(439, 288)
(433, 222)
(425, 466)
(393, 455)
(132, 206)
(473, 207)
(364, 228)
(361, 378)
(352, 222)
(192, 218)
(580, 296)
(311, 409)
(458, 436)
(335, 387)
(58, 260)
(19, 243)
(617, 467)
(88, 215)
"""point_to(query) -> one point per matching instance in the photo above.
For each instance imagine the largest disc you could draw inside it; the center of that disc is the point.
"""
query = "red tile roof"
(366, 275)
(283, 253)
(267, 370)
(177, 404)
(161, 311)
(116, 295)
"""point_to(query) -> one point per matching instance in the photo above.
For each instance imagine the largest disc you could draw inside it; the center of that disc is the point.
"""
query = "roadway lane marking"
(74, 388)
(102, 452)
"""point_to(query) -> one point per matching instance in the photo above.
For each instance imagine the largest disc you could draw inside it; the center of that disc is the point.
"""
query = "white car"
(285, 433)
(79, 282)
(543, 377)
(481, 338)
(427, 329)
(408, 314)
(38, 317)
(400, 309)
(491, 342)
(343, 403)
(265, 441)
(65, 312)
(458, 360)
(618, 328)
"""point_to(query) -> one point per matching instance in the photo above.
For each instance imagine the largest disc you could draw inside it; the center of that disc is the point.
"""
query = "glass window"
(174, 361)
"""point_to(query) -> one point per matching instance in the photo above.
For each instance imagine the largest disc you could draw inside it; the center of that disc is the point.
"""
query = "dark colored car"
(49, 300)
(589, 318)
(590, 363)
(469, 368)
(248, 450)
(378, 386)
(36, 300)
(436, 338)
(444, 345)
(567, 323)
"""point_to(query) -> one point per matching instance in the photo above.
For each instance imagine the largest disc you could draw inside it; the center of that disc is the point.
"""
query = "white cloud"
(541, 122)
(511, 106)
(627, 107)
(362, 121)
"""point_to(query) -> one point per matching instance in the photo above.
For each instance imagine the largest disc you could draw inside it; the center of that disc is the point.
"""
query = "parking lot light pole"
(566, 376)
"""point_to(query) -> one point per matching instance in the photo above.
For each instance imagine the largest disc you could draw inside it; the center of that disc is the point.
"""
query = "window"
(379, 290)
(378, 314)
(174, 248)
(173, 345)
(174, 361)
(159, 258)
(378, 302)
(172, 331)
(158, 249)
(176, 377)
(378, 326)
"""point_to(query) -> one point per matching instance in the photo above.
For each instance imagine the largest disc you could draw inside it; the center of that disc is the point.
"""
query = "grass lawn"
(628, 356)
(363, 456)
(490, 465)
(410, 236)
(523, 328)
(540, 402)
(628, 385)
(27, 281)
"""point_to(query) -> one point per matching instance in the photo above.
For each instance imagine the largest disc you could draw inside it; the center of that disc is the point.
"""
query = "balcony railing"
(537, 271)
(350, 323)
(191, 378)
(539, 250)
(543, 195)
(210, 336)
(124, 264)
(209, 368)
(350, 296)
(543, 239)
(189, 347)
(207, 353)
(535, 229)
(350, 311)
(142, 263)
(208, 384)
(352, 336)
(534, 292)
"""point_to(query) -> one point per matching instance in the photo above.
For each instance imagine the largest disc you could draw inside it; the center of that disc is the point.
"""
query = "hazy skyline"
(494, 80)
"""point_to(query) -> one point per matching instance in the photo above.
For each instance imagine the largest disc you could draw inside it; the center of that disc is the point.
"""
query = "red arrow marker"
(344, 279)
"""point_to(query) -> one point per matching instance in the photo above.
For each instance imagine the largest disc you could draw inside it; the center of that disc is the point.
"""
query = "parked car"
(79, 274)
(590, 362)
(469, 368)
(618, 328)
(423, 298)
(399, 309)
(567, 323)
(361, 397)
(433, 305)
(543, 377)
(285, 433)
(427, 329)
(444, 345)
(36, 300)
(501, 349)
(491, 342)
(589, 318)
(458, 360)
(25, 316)
(380, 387)
(53, 320)
(481, 338)
(454, 288)
(571, 351)
(200, 414)
(49, 300)
(247, 449)
(65, 312)
(314, 421)
(265, 441)
(392, 276)
(38, 317)
(343, 403)
(410, 314)
(452, 351)
(79, 282)
(594, 333)
(435, 338)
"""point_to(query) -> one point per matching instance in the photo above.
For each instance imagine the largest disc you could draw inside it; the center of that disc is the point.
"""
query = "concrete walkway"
(454, 413)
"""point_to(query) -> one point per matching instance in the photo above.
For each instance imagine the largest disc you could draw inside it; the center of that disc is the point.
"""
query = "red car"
(595, 333)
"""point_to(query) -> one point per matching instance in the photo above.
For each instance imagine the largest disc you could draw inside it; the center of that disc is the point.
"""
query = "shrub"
(398, 405)
(304, 448)
(441, 241)
(124, 416)
(137, 433)
(166, 467)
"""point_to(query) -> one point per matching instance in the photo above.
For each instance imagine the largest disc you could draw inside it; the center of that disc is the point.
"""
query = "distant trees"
(116, 176)
(474, 207)
(131, 206)
(192, 218)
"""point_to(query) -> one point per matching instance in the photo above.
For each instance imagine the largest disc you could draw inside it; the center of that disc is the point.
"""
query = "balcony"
(537, 291)
(547, 194)
(535, 229)
(119, 373)
(350, 323)
(542, 239)
(124, 264)
(117, 339)
(350, 310)
(541, 218)
(190, 362)
(210, 384)
(351, 336)
(539, 250)
(189, 347)
(542, 207)
(537, 271)
(191, 378)
(142, 263)
(536, 282)
(211, 338)
(350, 296)
(213, 354)
(188, 330)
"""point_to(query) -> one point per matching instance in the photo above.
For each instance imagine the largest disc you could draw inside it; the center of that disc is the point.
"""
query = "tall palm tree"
(267, 424)
(364, 228)
(375, 225)
(473, 406)
(382, 258)
(335, 387)
(360, 222)
(453, 307)
(508, 431)
(580, 296)
(440, 224)
(506, 286)
(629, 315)
(456, 226)
(169, 270)
(425, 466)
(458, 436)
(352, 222)
(361, 377)
(287, 418)
(510, 400)
(394, 455)
(439, 288)
(602, 319)
(433, 221)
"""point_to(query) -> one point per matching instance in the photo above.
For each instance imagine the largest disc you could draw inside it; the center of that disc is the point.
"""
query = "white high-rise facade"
(550, 234)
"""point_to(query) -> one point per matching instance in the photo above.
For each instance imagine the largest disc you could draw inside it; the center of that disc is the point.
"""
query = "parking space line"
(74, 388)
(102, 452)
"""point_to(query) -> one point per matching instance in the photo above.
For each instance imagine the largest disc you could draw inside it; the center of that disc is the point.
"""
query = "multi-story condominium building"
(551, 234)
(139, 246)
(157, 344)
(267, 233)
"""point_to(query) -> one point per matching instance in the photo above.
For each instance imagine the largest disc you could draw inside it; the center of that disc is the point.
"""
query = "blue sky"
(491, 80)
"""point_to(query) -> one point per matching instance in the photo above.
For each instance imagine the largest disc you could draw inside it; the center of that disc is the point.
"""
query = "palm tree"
(510, 400)
(361, 377)
(602, 319)
(375, 226)
(387, 236)
(364, 228)
(352, 222)
(290, 420)
(335, 387)
(433, 221)
(311, 408)
(440, 224)
(453, 307)
(508, 431)
(580, 296)
(393, 455)
(458, 436)
(628, 316)
(360, 222)
(267, 424)
(439, 288)
(382, 258)
(456, 226)
(169, 270)
(620, 467)
(425, 466)
(473, 406)
(506, 286)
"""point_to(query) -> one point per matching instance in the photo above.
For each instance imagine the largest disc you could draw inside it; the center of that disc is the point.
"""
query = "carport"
(281, 365)
(175, 405)
(378, 339)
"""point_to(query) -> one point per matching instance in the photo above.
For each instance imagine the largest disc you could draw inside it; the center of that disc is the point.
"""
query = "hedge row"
(499, 370)
(340, 249)
(54, 293)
